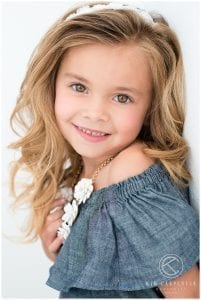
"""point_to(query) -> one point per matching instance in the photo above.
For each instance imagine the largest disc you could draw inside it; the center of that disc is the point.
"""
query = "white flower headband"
(86, 9)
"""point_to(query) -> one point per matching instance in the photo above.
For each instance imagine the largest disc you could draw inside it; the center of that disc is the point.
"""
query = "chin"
(91, 154)
(87, 154)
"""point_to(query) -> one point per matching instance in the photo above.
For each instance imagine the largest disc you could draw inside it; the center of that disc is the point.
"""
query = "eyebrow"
(119, 88)
(75, 76)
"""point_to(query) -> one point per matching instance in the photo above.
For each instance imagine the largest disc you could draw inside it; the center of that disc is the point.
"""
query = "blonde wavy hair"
(44, 150)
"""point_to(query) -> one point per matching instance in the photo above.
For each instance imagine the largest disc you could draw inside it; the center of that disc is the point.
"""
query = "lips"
(91, 135)
(91, 132)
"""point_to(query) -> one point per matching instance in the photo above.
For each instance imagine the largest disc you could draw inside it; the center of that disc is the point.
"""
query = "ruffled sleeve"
(137, 234)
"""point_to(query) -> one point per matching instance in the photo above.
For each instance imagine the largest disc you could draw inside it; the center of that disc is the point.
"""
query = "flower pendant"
(71, 211)
(82, 192)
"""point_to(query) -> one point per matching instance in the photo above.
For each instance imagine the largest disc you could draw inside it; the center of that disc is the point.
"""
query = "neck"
(91, 164)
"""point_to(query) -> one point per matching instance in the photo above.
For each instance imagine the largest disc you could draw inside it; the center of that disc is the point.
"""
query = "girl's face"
(102, 96)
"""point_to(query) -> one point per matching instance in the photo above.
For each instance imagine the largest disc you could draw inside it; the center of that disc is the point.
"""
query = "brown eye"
(77, 87)
(123, 99)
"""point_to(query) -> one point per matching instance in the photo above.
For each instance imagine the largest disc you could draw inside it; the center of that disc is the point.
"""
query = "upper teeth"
(93, 133)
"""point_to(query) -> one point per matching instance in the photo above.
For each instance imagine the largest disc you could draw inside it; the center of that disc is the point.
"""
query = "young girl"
(104, 97)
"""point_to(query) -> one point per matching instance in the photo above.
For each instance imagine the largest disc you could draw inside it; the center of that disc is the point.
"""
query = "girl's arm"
(50, 241)
(184, 286)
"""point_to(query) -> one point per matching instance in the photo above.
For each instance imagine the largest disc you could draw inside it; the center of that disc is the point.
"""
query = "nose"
(96, 110)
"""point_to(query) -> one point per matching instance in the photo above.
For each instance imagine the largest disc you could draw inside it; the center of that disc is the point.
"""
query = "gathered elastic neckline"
(154, 173)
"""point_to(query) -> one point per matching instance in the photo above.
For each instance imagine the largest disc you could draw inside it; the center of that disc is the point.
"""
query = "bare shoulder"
(129, 162)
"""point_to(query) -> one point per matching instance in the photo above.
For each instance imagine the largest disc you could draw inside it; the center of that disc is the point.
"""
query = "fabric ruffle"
(133, 235)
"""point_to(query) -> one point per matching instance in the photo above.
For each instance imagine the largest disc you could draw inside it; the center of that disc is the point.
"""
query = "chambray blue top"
(128, 238)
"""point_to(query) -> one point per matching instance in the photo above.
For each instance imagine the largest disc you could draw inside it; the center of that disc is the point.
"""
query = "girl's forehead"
(128, 52)
(114, 65)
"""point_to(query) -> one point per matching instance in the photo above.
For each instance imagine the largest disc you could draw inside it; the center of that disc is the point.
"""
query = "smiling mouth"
(91, 132)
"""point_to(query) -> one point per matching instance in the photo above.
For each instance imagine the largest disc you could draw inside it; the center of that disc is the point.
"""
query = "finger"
(58, 202)
(51, 229)
(55, 209)
(56, 244)
(53, 216)
(57, 205)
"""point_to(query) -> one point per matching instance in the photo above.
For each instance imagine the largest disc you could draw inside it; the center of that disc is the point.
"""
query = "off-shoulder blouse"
(128, 238)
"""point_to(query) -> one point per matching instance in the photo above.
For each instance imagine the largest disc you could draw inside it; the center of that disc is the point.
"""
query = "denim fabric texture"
(128, 238)
(82, 293)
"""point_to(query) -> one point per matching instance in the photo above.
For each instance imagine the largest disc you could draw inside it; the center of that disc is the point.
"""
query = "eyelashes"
(78, 87)
(120, 98)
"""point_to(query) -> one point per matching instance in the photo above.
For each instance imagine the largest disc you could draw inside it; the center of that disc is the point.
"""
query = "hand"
(50, 241)
(184, 286)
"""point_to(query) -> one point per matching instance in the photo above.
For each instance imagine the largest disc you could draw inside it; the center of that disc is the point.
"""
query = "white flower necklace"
(82, 191)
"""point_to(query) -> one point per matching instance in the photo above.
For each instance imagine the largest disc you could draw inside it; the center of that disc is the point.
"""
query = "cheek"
(59, 111)
(63, 108)
(62, 105)
(59, 106)
(131, 121)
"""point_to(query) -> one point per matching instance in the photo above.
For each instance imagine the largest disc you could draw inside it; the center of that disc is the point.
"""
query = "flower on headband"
(86, 9)
(83, 10)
